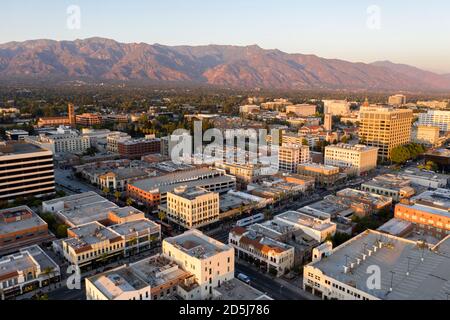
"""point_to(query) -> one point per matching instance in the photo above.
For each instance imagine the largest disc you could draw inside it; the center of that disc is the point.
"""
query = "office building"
(397, 100)
(192, 207)
(210, 261)
(113, 140)
(323, 174)
(336, 107)
(428, 211)
(88, 119)
(359, 158)
(153, 191)
(136, 149)
(429, 136)
(290, 156)
(26, 170)
(301, 110)
(61, 141)
(385, 128)
(436, 118)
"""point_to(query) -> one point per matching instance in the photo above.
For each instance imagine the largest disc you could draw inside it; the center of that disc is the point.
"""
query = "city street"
(274, 288)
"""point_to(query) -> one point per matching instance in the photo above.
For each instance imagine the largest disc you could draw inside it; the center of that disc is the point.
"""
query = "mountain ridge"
(102, 59)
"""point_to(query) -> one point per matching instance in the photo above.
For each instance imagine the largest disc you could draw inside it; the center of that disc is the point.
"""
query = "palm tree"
(161, 215)
(105, 190)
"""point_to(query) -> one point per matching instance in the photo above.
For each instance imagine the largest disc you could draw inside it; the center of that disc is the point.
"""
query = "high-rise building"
(438, 118)
(397, 100)
(291, 155)
(385, 128)
(328, 125)
(25, 170)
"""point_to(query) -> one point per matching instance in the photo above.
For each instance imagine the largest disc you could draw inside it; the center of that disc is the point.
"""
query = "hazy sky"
(415, 32)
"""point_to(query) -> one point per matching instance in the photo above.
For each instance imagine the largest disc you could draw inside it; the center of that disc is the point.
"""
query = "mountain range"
(99, 59)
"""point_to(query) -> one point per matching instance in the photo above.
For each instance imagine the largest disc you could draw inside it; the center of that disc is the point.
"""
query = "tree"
(105, 190)
(344, 139)
(400, 155)
(161, 215)
(61, 231)
(129, 202)
(117, 195)
(305, 142)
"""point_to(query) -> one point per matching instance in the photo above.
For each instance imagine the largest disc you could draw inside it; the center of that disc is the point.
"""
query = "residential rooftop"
(429, 270)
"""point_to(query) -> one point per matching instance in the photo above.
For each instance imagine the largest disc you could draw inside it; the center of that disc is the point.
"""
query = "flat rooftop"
(89, 234)
(17, 148)
(364, 196)
(302, 219)
(357, 147)
(235, 289)
(131, 227)
(190, 193)
(116, 282)
(411, 172)
(395, 226)
(330, 207)
(390, 181)
(27, 258)
(174, 178)
(23, 220)
(83, 208)
(428, 279)
(197, 245)
(158, 270)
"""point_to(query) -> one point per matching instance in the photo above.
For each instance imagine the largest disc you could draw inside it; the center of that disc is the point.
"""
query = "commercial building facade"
(359, 157)
(25, 170)
(385, 128)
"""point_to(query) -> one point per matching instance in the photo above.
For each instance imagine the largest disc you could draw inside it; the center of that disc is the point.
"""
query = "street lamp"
(392, 281)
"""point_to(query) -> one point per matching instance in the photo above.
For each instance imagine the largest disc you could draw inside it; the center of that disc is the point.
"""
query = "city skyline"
(360, 31)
